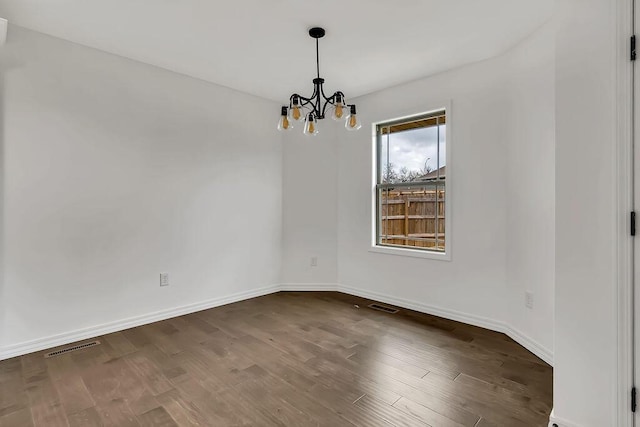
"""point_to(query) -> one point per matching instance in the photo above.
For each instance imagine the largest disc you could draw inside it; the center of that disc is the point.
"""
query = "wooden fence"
(409, 218)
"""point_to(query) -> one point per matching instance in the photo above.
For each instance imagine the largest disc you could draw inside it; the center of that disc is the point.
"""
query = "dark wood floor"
(293, 359)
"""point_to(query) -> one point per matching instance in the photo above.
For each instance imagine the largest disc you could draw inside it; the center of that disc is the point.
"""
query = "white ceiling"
(262, 46)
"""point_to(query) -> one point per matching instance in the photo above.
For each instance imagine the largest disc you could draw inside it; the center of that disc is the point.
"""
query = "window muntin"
(411, 183)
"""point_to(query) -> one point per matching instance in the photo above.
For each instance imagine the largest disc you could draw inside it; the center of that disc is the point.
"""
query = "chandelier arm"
(312, 99)
(304, 101)
(317, 94)
(302, 98)
(313, 109)
(308, 102)
(324, 108)
(326, 99)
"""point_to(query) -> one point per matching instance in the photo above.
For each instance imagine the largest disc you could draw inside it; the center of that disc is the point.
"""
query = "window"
(411, 184)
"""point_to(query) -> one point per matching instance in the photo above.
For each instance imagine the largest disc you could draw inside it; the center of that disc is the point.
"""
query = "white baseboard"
(458, 316)
(44, 343)
(119, 325)
(531, 345)
(559, 422)
(482, 322)
(309, 287)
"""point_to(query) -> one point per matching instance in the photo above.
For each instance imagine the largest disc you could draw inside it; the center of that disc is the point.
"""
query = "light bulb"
(284, 123)
(296, 114)
(338, 112)
(352, 122)
(311, 125)
(296, 109)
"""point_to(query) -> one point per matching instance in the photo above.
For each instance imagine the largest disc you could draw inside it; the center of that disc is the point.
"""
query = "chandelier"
(315, 107)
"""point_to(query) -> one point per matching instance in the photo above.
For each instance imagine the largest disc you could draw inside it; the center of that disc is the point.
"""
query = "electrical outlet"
(314, 261)
(528, 299)
(164, 279)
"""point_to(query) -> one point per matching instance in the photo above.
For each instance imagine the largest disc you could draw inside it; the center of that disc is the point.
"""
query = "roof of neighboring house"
(433, 174)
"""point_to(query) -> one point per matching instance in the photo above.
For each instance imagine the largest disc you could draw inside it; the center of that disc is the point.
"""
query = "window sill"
(412, 253)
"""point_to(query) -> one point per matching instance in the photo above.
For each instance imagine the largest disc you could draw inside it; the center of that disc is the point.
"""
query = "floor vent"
(383, 308)
(70, 349)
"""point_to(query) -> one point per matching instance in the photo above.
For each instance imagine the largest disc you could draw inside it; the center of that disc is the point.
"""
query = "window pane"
(383, 159)
(443, 150)
(413, 154)
(408, 217)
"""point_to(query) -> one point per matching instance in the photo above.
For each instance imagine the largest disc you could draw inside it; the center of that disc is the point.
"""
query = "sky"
(415, 148)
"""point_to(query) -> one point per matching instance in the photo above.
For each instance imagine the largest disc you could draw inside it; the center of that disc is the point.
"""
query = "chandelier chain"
(318, 57)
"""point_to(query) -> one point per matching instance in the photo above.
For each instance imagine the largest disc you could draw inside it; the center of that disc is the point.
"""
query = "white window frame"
(405, 251)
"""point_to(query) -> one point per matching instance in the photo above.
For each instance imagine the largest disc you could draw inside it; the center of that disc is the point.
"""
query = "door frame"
(626, 204)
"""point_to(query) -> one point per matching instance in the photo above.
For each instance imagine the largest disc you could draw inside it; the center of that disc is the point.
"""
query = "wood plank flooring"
(287, 359)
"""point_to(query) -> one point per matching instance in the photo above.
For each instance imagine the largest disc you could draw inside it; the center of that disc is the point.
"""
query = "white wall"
(585, 303)
(115, 171)
(502, 112)
(502, 197)
(530, 119)
(473, 282)
(310, 210)
(3, 31)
